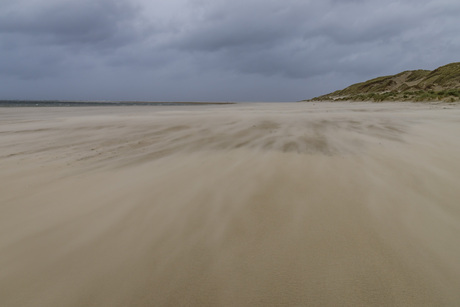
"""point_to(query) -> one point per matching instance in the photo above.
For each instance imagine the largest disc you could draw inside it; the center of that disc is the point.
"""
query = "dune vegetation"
(441, 84)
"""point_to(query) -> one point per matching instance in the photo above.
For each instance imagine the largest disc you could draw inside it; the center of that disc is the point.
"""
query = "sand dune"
(326, 204)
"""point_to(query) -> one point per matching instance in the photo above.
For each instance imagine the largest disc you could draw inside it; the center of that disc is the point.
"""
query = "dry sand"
(326, 204)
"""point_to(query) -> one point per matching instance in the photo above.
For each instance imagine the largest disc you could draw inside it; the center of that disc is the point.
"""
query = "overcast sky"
(216, 50)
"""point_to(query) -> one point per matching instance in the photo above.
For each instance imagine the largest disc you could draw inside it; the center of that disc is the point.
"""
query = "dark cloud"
(69, 22)
(304, 39)
(51, 38)
(217, 49)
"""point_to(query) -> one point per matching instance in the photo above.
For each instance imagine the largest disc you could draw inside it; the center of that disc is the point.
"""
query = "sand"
(298, 204)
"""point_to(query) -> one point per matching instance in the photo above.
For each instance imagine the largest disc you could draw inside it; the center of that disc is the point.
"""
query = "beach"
(248, 204)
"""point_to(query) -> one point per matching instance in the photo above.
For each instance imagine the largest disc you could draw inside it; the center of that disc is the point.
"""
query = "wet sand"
(299, 204)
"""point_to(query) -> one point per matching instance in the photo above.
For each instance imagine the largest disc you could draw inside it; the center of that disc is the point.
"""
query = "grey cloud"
(220, 26)
(21, 64)
(69, 22)
(219, 49)
(247, 37)
(52, 38)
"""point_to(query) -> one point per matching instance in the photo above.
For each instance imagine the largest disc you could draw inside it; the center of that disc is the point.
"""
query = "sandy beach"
(256, 204)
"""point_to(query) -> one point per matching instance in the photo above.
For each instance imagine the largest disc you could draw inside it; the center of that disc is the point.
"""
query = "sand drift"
(348, 204)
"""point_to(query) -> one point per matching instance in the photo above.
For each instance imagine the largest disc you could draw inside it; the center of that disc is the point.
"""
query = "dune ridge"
(441, 84)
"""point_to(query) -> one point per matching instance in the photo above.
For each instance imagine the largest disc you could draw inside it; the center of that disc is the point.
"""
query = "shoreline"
(70, 103)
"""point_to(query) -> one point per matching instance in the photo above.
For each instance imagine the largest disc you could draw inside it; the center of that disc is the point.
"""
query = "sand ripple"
(240, 205)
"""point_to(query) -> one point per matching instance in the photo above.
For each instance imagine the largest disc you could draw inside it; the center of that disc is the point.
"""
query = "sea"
(65, 103)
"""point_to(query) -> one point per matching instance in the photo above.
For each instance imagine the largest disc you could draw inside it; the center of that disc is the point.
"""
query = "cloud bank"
(215, 50)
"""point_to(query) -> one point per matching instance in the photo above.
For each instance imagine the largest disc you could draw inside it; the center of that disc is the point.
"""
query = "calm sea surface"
(57, 103)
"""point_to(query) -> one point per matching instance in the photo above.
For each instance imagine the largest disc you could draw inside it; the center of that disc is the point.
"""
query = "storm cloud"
(215, 50)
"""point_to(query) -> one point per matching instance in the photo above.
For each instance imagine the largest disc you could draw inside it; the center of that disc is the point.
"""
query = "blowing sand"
(326, 204)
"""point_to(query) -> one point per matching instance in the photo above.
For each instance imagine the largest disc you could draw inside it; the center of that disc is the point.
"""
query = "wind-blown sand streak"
(348, 204)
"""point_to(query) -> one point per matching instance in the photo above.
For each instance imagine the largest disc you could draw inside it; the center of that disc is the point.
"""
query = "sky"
(216, 50)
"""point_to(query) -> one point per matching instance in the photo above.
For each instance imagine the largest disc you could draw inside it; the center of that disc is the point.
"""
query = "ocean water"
(59, 103)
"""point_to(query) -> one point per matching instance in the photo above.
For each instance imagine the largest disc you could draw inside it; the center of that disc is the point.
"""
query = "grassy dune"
(441, 84)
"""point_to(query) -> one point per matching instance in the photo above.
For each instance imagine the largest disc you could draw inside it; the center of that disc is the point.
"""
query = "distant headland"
(441, 84)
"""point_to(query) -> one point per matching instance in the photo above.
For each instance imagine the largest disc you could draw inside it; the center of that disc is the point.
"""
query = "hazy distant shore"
(70, 103)
(276, 204)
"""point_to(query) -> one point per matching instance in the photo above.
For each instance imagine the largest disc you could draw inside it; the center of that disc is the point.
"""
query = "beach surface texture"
(256, 204)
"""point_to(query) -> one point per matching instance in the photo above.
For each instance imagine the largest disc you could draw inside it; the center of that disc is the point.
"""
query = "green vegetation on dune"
(447, 96)
(416, 75)
(446, 76)
(441, 84)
